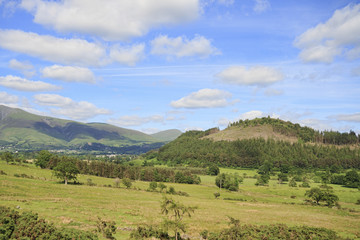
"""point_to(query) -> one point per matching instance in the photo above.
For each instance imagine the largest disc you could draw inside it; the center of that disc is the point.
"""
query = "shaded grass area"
(79, 206)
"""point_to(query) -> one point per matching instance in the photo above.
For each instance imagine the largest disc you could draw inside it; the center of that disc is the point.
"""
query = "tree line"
(66, 164)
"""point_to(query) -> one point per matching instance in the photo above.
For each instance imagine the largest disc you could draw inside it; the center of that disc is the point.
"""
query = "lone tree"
(175, 212)
(66, 169)
(319, 195)
(43, 158)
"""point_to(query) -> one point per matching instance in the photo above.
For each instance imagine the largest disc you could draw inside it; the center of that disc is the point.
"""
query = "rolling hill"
(167, 135)
(22, 130)
(249, 143)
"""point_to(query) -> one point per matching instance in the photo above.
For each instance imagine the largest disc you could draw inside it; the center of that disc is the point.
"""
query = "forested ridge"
(305, 134)
(193, 149)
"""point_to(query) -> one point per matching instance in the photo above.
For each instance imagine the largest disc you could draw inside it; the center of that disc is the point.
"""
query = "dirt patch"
(66, 220)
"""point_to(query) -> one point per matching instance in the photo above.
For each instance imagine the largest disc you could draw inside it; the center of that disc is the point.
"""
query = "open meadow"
(79, 206)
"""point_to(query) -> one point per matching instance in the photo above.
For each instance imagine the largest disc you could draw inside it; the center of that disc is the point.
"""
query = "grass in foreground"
(79, 206)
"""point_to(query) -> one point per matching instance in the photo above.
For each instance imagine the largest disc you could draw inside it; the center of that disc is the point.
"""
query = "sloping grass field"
(79, 206)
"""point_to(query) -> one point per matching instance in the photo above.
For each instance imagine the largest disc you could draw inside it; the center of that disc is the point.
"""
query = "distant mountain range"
(25, 131)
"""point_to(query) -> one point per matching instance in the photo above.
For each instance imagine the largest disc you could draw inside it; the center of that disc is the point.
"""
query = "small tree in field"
(175, 212)
(8, 157)
(318, 195)
(43, 158)
(66, 169)
(127, 182)
(162, 187)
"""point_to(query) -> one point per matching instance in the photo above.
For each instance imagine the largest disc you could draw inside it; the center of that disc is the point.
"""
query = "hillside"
(251, 142)
(23, 130)
(234, 133)
(167, 135)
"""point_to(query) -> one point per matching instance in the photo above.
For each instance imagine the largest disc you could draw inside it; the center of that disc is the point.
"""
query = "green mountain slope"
(23, 130)
(167, 135)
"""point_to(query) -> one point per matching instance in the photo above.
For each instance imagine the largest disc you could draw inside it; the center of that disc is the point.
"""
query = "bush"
(28, 225)
(171, 190)
(274, 231)
(127, 182)
(152, 186)
(305, 185)
(162, 187)
(107, 228)
(228, 181)
(292, 183)
(262, 180)
(89, 182)
(149, 232)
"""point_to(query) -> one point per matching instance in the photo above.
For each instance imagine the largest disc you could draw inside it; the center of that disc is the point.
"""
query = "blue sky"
(186, 64)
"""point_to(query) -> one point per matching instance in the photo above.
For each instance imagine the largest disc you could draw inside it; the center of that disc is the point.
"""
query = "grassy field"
(79, 206)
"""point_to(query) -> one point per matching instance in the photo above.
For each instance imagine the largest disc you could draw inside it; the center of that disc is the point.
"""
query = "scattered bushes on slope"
(28, 225)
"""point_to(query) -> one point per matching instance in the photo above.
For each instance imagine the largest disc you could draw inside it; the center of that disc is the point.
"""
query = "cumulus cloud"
(223, 122)
(252, 115)
(69, 74)
(261, 6)
(6, 98)
(22, 84)
(65, 51)
(204, 98)
(339, 35)
(111, 19)
(136, 120)
(348, 117)
(199, 46)
(24, 67)
(127, 55)
(255, 76)
(67, 107)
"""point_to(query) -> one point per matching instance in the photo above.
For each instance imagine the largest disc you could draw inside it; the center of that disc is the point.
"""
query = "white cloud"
(258, 76)
(339, 35)
(261, 6)
(127, 55)
(22, 84)
(24, 67)
(53, 100)
(199, 46)
(315, 124)
(66, 51)
(270, 92)
(348, 117)
(223, 122)
(6, 98)
(15, 64)
(69, 74)
(67, 107)
(204, 98)
(136, 120)
(252, 115)
(111, 19)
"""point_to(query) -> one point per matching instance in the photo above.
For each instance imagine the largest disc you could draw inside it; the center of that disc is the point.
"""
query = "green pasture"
(79, 206)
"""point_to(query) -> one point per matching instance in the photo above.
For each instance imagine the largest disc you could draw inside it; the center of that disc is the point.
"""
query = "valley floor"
(79, 206)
